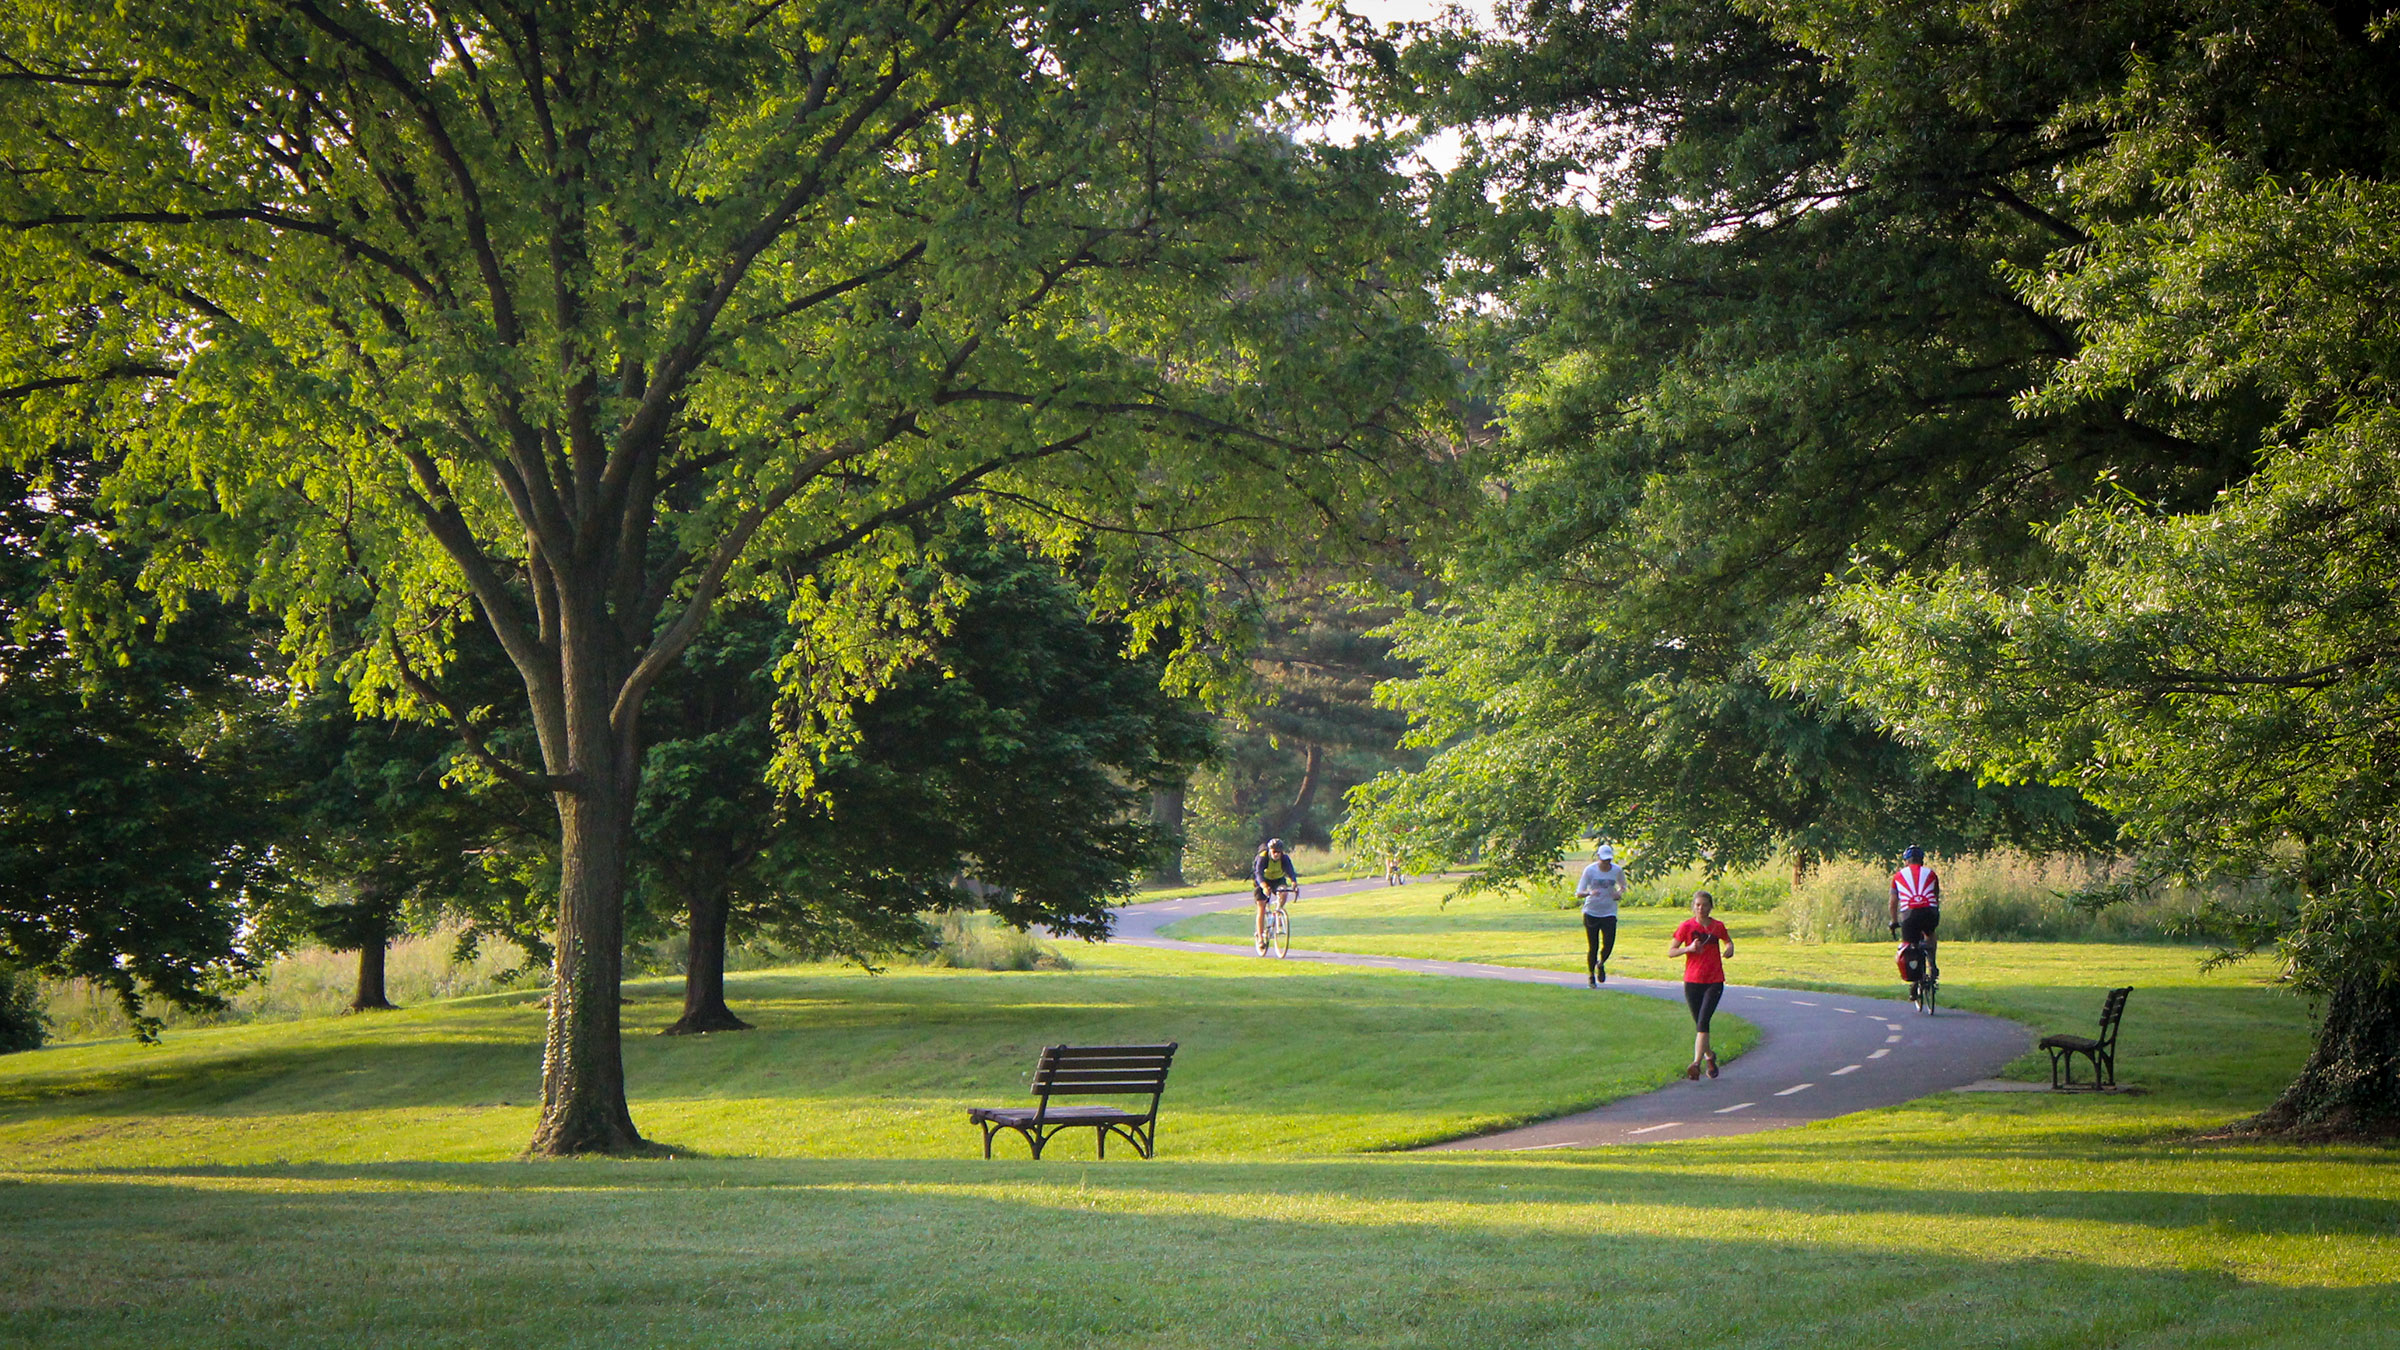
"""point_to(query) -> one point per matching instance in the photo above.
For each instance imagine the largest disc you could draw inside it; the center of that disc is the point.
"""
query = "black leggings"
(1703, 999)
(1599, 939)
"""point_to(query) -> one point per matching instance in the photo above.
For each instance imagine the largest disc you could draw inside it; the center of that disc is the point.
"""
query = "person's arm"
(1682, 947)
(1895, 900)
(1725, 941)
(1933, 885)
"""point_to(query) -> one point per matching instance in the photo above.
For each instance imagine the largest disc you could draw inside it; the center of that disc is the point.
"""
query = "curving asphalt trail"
(1817, 1056)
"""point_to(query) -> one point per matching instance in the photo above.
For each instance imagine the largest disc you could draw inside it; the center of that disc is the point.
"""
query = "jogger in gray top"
(1602, 886)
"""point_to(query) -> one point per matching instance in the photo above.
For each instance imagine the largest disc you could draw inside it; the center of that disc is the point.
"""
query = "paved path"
(1817, 1055)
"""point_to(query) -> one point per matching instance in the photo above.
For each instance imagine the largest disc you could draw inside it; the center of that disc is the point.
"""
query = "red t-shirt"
(1707, 965)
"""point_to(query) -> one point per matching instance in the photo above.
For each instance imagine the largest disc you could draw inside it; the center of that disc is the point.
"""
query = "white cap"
(1606, 854)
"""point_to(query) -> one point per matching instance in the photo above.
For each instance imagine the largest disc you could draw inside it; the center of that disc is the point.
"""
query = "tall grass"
(964, 940)
(311, 982)
(2002, 896)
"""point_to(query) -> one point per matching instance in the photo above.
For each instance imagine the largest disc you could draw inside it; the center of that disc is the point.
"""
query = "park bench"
(2101, 1051)
(1086, 1071)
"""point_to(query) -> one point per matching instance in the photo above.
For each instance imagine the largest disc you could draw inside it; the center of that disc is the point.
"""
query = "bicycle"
(1276, 940)
(1915, 960)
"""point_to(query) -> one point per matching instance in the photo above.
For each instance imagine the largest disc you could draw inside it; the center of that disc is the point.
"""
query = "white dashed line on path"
(1880, 1053)
(1847, 1010)
(1796, 1087)
(1737, 1106)
(1891, 1040)
(1847, 1068)
(1649, 1129)
(1891, 1026)
(1802, 1003)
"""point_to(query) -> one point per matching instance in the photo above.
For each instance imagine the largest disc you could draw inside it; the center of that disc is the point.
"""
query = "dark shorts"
(1918, 924)
(1703, 1000)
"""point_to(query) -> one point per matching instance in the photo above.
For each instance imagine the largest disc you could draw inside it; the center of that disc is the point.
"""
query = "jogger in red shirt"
(1703, 944)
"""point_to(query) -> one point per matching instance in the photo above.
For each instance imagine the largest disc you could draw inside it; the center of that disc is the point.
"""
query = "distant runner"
(1917, 904)
(1603, 885)
(1703, 944)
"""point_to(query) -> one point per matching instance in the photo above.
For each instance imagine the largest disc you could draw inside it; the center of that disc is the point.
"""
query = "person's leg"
(1591, 949)
(1701, 1016)
(1258, 925)
(1608, 944)
(1693, 994)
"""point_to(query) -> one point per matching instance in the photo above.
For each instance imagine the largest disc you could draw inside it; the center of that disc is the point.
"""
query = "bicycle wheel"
(1925, 1004)
(1279, 932)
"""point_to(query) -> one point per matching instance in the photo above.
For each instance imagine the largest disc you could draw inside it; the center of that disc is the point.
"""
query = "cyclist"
(1271, 869)
(1917, 905)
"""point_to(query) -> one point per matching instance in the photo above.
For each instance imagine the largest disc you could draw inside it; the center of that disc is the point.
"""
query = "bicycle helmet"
(1912, 854)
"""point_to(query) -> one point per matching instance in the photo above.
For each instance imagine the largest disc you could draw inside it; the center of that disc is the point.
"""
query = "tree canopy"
(571, 319)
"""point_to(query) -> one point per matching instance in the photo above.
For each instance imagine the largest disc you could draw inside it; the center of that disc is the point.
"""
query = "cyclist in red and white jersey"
(1917, 903)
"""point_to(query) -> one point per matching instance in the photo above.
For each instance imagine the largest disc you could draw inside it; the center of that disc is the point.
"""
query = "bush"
(22, 1023)
(968, 941)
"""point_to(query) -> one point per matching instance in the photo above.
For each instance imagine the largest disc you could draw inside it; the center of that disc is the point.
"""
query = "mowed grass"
(1275, 1059)
(2210, 1041)
(1968, 1219)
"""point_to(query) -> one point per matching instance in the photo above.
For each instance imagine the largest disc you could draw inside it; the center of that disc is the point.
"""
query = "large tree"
(1742, 305)
(2219, 674)
(571, 318)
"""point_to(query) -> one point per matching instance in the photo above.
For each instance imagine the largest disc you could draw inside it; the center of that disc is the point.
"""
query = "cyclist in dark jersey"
(1272, 868)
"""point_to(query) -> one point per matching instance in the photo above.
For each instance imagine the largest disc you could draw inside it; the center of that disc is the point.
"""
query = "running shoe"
(1712, 1063)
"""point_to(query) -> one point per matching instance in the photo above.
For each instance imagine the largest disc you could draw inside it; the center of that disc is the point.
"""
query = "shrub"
(22, 1023)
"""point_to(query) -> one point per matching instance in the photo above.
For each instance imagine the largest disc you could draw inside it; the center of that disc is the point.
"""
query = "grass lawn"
(1276, 1059)
(229, 1189)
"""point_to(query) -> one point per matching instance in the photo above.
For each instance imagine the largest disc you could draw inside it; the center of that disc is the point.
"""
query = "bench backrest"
(1103, 1070)
(2111, 1013)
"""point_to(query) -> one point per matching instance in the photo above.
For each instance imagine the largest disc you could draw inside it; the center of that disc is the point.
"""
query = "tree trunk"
(371, 996)
(2351, 1083)
(1295, 816)
(704, 1007)
(1802, 862)
(583, 1068)
(1166, 809)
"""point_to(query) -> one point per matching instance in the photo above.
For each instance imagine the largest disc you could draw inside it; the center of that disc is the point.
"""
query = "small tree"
(1017, 752)
(380, 821)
